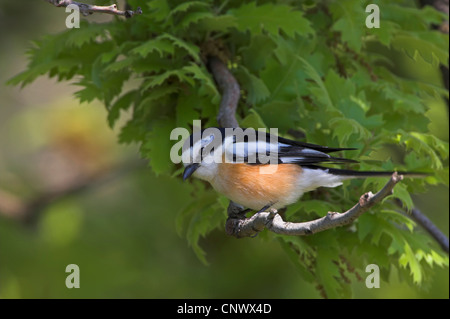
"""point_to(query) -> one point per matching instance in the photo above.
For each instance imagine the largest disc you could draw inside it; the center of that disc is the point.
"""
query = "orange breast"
(247, 185)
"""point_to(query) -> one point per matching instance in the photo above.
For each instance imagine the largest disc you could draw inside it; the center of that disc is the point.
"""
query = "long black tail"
(363, 174)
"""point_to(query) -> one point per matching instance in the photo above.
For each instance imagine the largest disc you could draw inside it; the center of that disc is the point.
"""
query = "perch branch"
(87, 9)
(248, 227)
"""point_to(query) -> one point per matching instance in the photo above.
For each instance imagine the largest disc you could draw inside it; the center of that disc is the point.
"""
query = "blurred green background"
(118, 226)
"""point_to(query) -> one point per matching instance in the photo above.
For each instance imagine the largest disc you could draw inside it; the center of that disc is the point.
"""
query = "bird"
(260, 171)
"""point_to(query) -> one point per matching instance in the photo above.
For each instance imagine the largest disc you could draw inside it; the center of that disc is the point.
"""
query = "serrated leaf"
(219, 23)
(252, 57)
(161, 45)
(343, 128)
(122, 103)
(386, 33)
(186, 109)
(429, 50)
(400, 191)
(280, 114)
(190, 48)
(208, 87)
(252, 120)
(271, 18)
(204, 221)
(86, 33)
(194, 18)
(120, 65)
(426, 144)
(185, 6)
(398, 218)
(350, 19)
(327, 272)
(296, 248)
(89, 93)
(132, 131)
(159, 9)
(408, 259)
(321, 91)
(257, 91)
(61, 66)
(157, 80)
(157, 148)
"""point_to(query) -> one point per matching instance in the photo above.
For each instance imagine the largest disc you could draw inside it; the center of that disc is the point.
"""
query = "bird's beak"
(189, 170)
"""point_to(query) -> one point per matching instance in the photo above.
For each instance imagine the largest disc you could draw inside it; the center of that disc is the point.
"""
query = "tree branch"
(230, 92)
(239, 226)
(87, 9)
(426, 224)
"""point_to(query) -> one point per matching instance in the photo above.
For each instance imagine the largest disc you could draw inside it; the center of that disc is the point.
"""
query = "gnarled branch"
(248, 227)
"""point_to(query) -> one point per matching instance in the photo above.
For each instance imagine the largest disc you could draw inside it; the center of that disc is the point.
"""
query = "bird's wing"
(272, 149)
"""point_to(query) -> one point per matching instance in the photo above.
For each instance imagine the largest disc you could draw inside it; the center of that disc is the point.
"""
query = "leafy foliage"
(311, 66)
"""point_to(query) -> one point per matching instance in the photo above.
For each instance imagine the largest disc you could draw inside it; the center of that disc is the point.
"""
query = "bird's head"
(202, 152)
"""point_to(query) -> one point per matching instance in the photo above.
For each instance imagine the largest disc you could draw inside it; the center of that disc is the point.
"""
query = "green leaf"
(86, 33)
(185, 6)
(280, 114)
(251, 54)
(33, 72)
(408, 258)
(350, 19)
(207, 85)
(320, 91)
(120, 65)
(289, 85)
(398, 218)
(201, 224)
(424, 44)
(271, 18)
(301, 255)
(159, 9)
(190, 48)
(219, 23)
(194, 18)
(186, 109)
(257, 91)
(253, 120)
(425, 144)
(343, 128)
(327, 272)
(122, 103)
(157, 148)
(386, 33)
(157, 80)
(161, 45)
(89, 93)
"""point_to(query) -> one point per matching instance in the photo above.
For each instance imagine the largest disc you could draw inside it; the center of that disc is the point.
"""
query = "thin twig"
(87, 9)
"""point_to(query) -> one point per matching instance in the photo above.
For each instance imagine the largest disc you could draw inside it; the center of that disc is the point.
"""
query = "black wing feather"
(293, 152)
